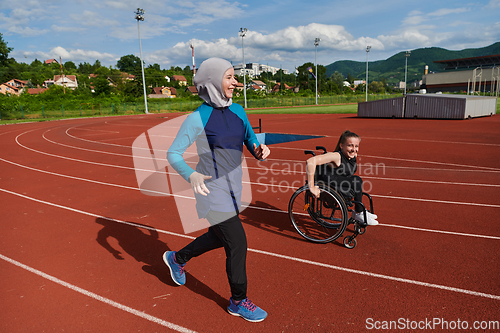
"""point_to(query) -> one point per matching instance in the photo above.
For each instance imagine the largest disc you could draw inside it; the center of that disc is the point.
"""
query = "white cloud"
(59, 28)
(408, 38)
(75, 55)
(181, 52)
(493, 4)
(27, 31)
(414, 20)
(95, 19)
(293, 39)
(447, 11)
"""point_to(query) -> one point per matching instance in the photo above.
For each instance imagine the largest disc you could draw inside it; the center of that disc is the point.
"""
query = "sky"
(280, 33)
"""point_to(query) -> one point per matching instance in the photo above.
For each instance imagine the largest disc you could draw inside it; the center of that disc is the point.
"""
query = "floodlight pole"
(407, 54)
(243, 31)
(139, 16)
(366, 84)
(316, 43)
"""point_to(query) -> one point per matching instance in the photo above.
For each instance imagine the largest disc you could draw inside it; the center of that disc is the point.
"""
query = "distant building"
(192, 90)
(7, 89)
(261, 85)
(163, 92)
(36, 91)
(358, 82)
(51, 61)
(13, 87)
(276, 87)
(181, 79)
(255, 69)
(68, 81)
(461, 75)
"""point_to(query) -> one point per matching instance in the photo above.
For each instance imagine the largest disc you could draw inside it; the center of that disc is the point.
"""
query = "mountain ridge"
(392, 69)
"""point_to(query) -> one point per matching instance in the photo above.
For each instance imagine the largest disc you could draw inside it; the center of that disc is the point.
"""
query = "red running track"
(81, 247)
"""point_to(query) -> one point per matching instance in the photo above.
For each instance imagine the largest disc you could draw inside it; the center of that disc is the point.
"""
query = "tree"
(8, 68)
(4, 51)
(129, 63)
(101, 85)
(350, 78)
(69, 66)
(338, 80)
(85, 68)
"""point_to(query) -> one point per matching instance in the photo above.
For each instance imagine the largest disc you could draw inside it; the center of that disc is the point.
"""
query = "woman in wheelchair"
(337, 169)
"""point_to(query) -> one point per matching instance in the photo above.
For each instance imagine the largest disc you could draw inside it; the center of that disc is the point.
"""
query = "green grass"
(343, 108)
(337, 108)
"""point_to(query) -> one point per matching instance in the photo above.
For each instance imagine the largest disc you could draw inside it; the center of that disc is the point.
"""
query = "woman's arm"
(313, 162)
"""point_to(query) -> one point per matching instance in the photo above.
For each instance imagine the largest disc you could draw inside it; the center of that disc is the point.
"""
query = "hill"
(393, 68)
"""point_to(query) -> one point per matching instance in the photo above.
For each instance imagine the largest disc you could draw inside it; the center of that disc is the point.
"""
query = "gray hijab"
(208, 82)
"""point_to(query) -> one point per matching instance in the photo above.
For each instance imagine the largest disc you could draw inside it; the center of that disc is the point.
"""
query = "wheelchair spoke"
(322, 219)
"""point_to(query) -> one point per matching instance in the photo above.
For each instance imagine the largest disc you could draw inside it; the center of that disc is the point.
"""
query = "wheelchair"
(326, 218)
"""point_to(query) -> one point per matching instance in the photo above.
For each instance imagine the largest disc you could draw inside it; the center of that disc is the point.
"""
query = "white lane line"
(273, 170)
(381, 276)
(436, 201)
(400, 226)
(440, 231)
(433, 162)
(252, 183)
(99, 298)
(302, 149)
(277, 255)
(435, 141)
(430, 181)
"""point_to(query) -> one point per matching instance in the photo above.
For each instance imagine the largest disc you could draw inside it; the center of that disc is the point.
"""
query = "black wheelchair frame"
(324, 219)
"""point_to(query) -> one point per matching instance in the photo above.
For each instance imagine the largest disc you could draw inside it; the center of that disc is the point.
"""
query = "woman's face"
(350, 147)
(229, 83)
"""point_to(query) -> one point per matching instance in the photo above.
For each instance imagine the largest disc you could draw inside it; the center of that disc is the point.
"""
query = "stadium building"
(473, 75)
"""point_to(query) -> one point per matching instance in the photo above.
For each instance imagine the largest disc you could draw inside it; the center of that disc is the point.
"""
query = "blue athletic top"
(219, 135)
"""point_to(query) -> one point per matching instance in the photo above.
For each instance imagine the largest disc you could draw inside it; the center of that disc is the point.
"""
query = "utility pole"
(243, 32)
(407, 54)
(366, 88)
(140, 17)
(192, 54)
(62, 75)
(316, 43)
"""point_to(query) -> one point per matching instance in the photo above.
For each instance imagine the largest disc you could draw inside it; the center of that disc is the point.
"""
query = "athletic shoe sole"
(165, 260)
(247, 319)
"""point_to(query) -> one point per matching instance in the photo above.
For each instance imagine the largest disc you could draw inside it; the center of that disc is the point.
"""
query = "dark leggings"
(350, 186)
(230, 235)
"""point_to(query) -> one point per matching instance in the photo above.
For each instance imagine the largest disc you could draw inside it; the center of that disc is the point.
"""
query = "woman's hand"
(314, 190)
(261, 152)
(197, 181)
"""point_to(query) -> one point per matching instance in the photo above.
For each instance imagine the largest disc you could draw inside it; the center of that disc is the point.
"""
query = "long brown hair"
(344, 136)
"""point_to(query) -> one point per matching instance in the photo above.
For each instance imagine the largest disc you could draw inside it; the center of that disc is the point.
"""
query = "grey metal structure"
(384, 108)
(430, 106)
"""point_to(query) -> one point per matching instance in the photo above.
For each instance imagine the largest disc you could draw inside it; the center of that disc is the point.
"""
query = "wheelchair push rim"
(319, 220)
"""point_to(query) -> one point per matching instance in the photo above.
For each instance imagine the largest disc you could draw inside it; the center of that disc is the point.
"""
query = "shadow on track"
(143, 244)
(269, 219)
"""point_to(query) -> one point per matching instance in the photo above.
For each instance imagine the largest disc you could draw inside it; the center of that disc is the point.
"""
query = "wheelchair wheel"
(349, 242)
(319, 220)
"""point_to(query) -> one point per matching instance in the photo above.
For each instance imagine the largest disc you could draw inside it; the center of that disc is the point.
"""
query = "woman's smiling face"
(229, 83)
(350, 147)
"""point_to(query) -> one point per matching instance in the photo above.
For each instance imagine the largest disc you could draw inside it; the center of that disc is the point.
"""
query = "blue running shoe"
(247, 310)
(176, 270)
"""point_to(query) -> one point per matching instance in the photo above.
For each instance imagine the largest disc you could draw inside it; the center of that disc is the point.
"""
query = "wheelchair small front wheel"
(349, 242)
